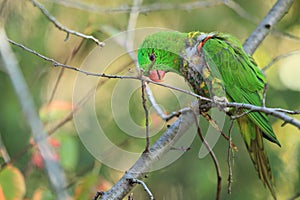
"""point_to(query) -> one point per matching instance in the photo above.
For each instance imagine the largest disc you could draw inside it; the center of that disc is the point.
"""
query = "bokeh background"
(187, 178)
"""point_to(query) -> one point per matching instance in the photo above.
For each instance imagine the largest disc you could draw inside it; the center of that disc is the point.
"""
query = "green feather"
(242, 79)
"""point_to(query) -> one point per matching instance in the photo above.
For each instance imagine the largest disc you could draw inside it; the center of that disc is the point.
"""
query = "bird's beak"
(156, 75)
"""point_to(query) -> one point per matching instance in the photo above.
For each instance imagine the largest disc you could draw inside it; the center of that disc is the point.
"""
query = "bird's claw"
(219, 100)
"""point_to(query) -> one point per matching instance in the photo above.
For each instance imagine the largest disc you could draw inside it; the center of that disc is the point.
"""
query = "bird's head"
(160, 53)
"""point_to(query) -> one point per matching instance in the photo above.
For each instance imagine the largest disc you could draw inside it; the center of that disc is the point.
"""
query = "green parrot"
(215, 65)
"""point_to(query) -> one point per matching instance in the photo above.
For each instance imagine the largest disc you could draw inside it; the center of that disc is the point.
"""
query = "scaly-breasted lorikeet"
(215, 65)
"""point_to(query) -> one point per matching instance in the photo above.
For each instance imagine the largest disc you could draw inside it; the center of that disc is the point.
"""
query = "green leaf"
(68, 152)
(12, 183)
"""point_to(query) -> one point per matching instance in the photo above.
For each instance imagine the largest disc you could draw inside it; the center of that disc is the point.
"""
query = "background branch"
(142, 9)
(55, 174)
(280, 57)
(280, 8)
(63, 28)
(154, 7)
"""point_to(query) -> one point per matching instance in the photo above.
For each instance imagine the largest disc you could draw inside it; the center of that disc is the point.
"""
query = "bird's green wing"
(242, 79)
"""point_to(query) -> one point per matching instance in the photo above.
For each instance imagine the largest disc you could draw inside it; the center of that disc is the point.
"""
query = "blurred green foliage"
(187, 178)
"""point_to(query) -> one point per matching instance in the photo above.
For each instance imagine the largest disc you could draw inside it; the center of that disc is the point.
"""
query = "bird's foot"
(218, 100)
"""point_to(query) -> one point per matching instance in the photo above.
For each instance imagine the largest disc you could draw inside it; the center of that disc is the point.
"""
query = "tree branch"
(137, 181)
(278, 58)
(55, 174)
(143, 164)
(229, 160)
(271, 111)
(58, 64)
(280, 8)
(144, 101)
(158, 7)
(63, 28)
(142, 9)
(212, 155)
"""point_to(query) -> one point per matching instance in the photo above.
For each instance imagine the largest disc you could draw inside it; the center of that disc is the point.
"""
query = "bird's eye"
(152, 57)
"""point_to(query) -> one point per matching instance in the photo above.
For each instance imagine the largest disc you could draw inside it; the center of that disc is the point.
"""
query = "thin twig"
(55, 174)
(144, 101)
(56, 83)
(156, 107)
(278, 58)
(173, 114)
(61, 72)
(276, 112)
(129, 41)
(184, 149)
(188, 6)
(3, 152)
(229, 160)
(181, 90)
(216, 126)
(240, 11)
(291, 112)
(285, 34)
(130, 196)
(263, 102)
(63, 28)
(263, 29)
(58, 64)
(213, 156)
(236, 116)
(142, 183)
(296, 196)
(142, 9)
(98, 195)
(15, 157)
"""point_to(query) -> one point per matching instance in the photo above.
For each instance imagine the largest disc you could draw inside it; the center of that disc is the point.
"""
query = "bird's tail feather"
(253, 138)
